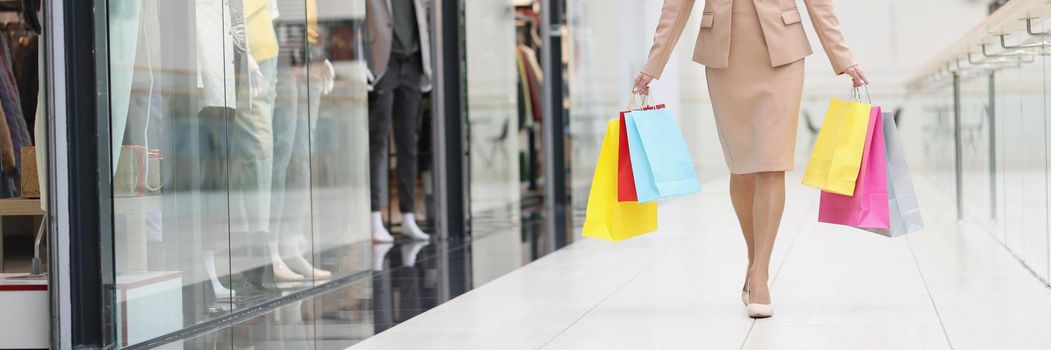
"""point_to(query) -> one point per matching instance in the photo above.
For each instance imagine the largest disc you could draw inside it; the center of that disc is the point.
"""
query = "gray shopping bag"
(904, 208)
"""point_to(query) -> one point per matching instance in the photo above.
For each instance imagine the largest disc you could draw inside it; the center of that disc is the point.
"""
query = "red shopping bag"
(626, 191)
(625, 176)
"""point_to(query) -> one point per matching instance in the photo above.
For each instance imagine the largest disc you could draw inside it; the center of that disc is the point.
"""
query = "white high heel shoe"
(760, 310)
(756, 310)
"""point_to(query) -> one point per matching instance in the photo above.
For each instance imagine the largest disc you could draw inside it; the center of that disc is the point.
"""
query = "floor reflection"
(407, 279)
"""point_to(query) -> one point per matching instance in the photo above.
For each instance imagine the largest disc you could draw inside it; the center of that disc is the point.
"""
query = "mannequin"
(303, 77)
(216, 85)
(399, 62)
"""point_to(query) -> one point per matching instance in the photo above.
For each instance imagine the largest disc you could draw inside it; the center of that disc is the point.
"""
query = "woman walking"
(753, 52)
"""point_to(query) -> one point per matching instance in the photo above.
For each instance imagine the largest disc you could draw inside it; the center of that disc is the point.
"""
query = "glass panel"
(974, 123)
(1033, 168)
(239, 155)
(503, 108)
(172, 104)
(1011, 117)
(338, 140)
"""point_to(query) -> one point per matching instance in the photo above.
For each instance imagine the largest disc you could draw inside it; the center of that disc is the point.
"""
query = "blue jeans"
(295, 118)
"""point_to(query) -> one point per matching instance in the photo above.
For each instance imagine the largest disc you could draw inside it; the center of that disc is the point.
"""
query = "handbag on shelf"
(138, 171)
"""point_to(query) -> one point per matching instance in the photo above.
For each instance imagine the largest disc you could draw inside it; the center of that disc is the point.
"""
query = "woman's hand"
(858, 76)
(642, 84)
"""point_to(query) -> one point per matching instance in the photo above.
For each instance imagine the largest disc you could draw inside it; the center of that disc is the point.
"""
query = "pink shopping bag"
(868, 207)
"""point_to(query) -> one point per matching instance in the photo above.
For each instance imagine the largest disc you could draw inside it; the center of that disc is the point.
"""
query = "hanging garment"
(24, 45)
(19, 132)
(533, 76)
(7, 149)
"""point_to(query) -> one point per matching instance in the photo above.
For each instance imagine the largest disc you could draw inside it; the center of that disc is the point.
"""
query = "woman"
(753, 51)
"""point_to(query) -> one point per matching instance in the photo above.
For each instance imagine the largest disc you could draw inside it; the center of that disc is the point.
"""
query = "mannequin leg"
(379, 232)
(284, 138)
(293, 257)
(406, 112)
(221, 292)
(296, 227)
(381, 101)
(768, 207)
(742, 195)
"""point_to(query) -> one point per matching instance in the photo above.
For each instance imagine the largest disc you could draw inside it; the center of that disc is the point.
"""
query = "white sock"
(380, 233)
(409, 228)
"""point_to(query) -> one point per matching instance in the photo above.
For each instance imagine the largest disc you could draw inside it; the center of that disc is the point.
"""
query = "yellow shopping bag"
(836, 158)
(607, 218)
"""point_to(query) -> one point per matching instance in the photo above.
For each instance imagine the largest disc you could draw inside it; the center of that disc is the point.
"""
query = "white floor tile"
(398, 338)
(898, 337)
(649, 338)
(836, 311)
(996, 335)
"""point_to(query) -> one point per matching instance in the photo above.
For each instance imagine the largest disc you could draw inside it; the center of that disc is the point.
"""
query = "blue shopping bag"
(660, 159)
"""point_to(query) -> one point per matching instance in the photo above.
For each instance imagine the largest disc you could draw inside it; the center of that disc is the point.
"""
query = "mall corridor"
(947, 287)
(417, 174)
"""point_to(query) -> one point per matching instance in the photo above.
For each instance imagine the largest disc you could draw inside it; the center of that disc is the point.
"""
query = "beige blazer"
(780, 19)
(380, 34)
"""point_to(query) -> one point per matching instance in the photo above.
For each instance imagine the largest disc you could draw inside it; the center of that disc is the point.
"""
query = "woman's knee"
(770, 176)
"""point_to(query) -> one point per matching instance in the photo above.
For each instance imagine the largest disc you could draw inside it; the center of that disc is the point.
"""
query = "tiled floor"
(833, 288)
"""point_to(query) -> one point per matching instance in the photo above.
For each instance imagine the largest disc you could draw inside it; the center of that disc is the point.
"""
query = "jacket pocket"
(790, 16)
(707, 20)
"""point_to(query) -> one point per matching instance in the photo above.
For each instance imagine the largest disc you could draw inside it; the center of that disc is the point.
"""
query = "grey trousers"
(396, 98)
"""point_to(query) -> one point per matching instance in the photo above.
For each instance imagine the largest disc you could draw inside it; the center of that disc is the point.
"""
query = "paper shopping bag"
(904, 209)
(836, 158)
(606, 217)
(660, 158)
(868, 207)
(626, 185)
(626, 178)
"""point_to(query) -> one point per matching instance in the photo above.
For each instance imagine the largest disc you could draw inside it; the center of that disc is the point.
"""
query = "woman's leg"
(742, 195)
(766, 215)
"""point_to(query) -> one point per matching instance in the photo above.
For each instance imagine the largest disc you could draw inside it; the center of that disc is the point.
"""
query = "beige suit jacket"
(380, 36)
(780, 19)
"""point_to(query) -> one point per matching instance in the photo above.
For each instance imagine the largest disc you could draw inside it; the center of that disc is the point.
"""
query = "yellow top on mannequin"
(259, 23)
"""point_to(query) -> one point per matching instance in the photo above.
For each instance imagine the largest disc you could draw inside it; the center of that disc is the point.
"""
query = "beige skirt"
(756, 105)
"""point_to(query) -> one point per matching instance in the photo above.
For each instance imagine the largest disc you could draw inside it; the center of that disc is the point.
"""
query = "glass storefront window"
(240, 155)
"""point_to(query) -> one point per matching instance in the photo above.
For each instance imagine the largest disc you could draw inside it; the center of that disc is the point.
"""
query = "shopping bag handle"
(858, 92)
(634, 102)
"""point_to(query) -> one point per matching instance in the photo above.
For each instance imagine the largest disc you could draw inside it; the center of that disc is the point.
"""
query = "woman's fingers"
(858, 77)
(642, 84)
